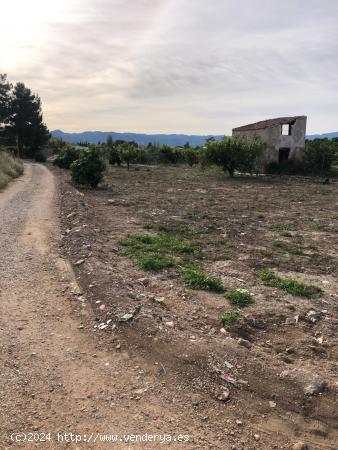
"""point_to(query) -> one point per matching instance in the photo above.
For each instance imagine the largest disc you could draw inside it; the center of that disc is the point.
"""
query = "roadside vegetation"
(9, 168)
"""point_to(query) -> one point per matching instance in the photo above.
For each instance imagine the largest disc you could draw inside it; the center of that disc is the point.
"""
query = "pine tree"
(26, 121)
(5, 88)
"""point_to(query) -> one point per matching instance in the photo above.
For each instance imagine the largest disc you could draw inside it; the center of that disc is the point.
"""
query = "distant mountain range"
(93, 137)
(175, 140)
(322, 136)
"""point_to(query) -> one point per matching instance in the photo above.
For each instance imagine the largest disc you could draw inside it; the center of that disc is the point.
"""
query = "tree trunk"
(231, 171)
(20, 146)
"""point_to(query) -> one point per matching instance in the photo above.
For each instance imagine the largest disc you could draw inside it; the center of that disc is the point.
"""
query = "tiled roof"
(269, 123)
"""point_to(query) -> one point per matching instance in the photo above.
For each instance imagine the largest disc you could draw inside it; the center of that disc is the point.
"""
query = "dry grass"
(9, 168)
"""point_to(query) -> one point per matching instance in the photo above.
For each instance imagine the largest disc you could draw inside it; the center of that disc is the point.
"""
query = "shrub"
(320, 155)
(195, 278)
(88, 169)
(289, 285)
(66, 157)
(239, 297)
(229, 317)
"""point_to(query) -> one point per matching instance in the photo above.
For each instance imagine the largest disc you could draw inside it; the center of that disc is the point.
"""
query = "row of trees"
(21, 121)
(231, 154)
(87, 165)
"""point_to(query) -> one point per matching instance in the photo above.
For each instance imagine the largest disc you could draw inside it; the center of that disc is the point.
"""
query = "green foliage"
(5, 89)
(284, 229)
(160, 244)
(235, 153)
(114, 157)
(57, 144)
(9, 168)
(25, 121)
(196, 278)
(289, 285)
(190, 155)
(88, 169)
(169, 154)
(320, 155)
(127, 152)
(229, 317)
(67, 155)
(239, 297)
(154, 262)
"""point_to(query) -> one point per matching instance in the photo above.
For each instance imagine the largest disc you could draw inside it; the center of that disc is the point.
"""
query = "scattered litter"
(87, 247)
(79, 262)
(314, 316)
(131, 315)
(228, 365)
(228, 378)
(126, 317)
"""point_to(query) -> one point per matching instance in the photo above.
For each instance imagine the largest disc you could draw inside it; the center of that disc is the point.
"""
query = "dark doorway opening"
(283, 154)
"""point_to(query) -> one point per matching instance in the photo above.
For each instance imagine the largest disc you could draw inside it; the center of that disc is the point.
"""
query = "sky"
(174, 66)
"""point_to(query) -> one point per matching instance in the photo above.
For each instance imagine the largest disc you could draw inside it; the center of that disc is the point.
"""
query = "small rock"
(239, 423)
(300, 446)
(102, 307)
(169, 324)
(223, 331)
(196, 401)
(257, 437)
(272, 404)
(244, 343)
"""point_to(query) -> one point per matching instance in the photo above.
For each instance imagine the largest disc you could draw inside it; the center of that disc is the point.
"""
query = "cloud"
(181, 65)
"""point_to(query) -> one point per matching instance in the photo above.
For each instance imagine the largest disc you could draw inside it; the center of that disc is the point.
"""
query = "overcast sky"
(185, 66)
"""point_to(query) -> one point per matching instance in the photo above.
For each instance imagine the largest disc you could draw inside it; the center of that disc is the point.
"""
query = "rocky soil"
(267, 381)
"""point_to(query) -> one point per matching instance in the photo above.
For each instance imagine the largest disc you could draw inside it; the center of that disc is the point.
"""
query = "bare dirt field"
(264, 378)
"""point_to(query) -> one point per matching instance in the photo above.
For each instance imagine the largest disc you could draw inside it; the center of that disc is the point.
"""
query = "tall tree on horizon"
(5, 89)
(25, 122)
